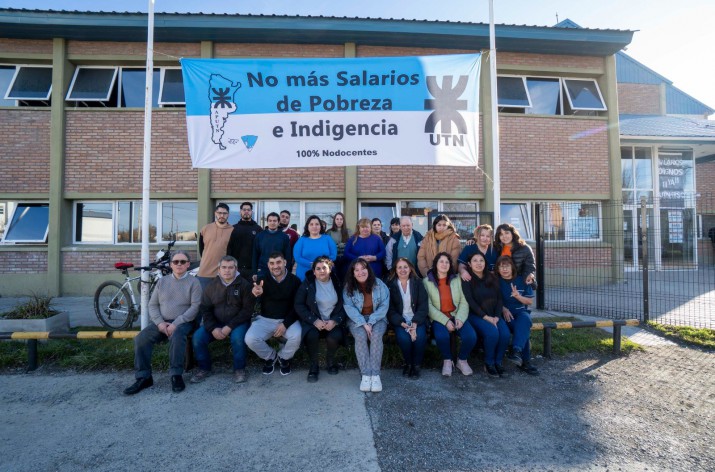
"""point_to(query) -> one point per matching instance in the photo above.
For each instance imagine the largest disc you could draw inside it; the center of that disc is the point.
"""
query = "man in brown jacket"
(213, 242)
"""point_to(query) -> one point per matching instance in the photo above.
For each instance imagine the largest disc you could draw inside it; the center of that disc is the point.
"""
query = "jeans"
(203, 338)
(442, 335)
(496, 338)
(144, 347)
(262, 329)
(520, 328)
(311, 337)
(412, 351)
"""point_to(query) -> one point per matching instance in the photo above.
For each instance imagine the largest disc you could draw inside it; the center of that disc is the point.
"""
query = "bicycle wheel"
(113, 305)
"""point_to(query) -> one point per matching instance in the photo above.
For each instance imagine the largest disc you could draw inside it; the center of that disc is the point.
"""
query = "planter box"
(58, 323)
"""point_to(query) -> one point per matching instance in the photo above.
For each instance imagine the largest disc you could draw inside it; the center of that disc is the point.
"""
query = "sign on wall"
(269, 113)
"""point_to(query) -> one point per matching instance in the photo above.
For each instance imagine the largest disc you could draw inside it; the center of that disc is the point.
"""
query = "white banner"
(271, 113)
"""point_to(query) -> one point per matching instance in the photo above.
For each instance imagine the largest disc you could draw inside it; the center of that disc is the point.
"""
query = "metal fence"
(651, 260)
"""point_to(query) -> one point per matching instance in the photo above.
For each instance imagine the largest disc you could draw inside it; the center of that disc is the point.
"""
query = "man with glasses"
(241, 244)
(173, 308)
(214, 240)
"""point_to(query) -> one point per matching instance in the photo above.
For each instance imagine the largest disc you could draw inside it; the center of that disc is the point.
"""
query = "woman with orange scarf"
(442, 237)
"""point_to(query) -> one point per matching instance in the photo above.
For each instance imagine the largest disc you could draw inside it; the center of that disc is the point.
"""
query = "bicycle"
(115, 304)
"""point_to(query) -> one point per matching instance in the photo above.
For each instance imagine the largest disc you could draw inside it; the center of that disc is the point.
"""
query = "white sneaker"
(376, 384)
(447, 368)
(365, 383)
(463, 366)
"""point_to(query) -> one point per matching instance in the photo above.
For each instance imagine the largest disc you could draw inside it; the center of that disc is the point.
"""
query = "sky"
(675, 39)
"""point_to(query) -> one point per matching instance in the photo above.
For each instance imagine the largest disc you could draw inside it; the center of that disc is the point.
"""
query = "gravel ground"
(652, 410)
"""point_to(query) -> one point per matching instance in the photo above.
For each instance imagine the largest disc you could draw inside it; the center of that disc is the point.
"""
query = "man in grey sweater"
(173, 307)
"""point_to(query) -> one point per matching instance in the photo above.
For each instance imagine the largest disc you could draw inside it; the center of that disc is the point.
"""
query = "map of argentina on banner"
(269, 113)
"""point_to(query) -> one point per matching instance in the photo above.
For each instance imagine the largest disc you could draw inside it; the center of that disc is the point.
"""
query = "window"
(323, 210)
(92, 84)
(584, 94)
(30, 83)
(544, 96)
(383, 210)
(418, 211)
(113, 86)
(676, 187)
(171, 91)
(636, 174)
(569, 221)
(6, 74)
(121, 222)
(518, 215)
(511, 92)
(29, 223)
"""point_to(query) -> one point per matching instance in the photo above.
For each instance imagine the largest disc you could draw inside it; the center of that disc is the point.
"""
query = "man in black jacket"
(277, 318)
(241, 244)
(226, 307)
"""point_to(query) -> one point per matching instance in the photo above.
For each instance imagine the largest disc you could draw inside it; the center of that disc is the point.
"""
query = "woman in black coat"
(408, 315)
(319, 304)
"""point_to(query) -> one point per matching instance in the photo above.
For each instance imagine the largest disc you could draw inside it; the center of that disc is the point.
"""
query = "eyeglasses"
(222, 213)
(180, 262)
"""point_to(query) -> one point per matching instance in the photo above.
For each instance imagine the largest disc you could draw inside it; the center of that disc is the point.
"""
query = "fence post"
(644, 246)
(540, 282)
(616, 339)
(31, 355)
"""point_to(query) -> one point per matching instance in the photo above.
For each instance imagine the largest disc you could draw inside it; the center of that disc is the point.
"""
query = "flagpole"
(496, 187)
(147, 166)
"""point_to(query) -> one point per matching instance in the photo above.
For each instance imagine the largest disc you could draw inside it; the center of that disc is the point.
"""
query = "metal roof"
(663, 126)
(193, 27)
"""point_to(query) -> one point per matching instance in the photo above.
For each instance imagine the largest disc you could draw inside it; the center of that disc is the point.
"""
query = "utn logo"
(446, 105)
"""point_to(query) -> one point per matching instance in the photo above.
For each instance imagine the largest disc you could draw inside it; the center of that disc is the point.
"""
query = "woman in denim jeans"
(366, 300)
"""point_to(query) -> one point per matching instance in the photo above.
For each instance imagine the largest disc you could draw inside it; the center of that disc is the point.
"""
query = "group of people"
(363, 283)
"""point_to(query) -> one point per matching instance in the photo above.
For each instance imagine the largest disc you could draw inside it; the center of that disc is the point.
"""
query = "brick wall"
(553, 155)
(705, 182)
(104, 152)
(84, 262)
(23, 262)
(638, 99)
(300, 179)
(26, 46)
(549, 60)
(388, 51)
(25, 150)
(376, 179)
(134, 48)
(574, 257)
(278, 50)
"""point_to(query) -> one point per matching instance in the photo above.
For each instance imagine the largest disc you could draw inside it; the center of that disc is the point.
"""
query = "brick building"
(71, 129)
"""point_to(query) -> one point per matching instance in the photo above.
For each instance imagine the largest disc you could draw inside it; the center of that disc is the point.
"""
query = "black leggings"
(311, 337)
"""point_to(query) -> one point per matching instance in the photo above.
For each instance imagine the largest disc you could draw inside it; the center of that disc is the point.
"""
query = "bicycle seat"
(123, 265)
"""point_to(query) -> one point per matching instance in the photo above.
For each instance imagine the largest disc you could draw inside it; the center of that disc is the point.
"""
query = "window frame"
(109, 89)
(18, 68)
(529, 205)
(162, 77)
(11, 217)
(568, 231)
(565, 88)
(526, 90)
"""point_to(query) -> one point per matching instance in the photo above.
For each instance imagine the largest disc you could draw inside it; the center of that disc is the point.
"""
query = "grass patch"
(565, 341)
(701, 337)
(118, 354)
(36, 308)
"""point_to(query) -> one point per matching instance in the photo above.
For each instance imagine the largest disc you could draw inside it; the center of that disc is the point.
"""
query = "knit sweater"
(370, 246)
(277, 301)
(307, 249)
(213, 241)
(175, 300)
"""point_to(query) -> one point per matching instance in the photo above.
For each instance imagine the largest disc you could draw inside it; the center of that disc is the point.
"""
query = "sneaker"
(239, 376)
(491, 370)
(139, 385)
(333, 369)
(515, 358)
(376, 384)
(529, 369)
(268, 366)
(500, 370)
(414, 372)
(199, 376)
(177, 383)
(447, 368)
(365, 383)
(463, 367)
(406, 370)
(285, 366)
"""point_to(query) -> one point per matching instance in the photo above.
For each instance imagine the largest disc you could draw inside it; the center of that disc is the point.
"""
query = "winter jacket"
(455, 285)
(307, 308)
(392, 245)
(429, 249)
(226, 306)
